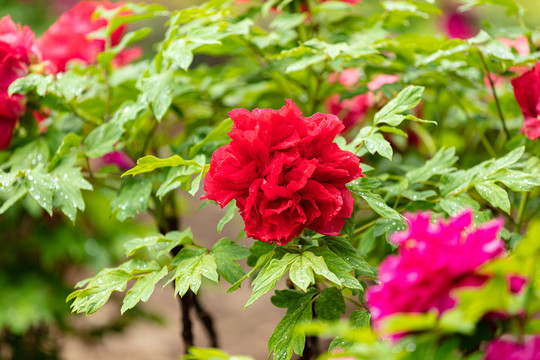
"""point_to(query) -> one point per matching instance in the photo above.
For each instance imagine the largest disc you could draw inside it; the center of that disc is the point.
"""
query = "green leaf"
(98, 290)
(301, 273)
(359, 319)
(458, 203)
(151, 163)
(269, 275)
(231, 210)
(133, 196)
(191, 265)
(159, 245)
(375, 142)
(143, 289)
(494, 194)
(286, 339)
(71, 142)
(330, 304)
(28, 83)
(103, 138)
(407, 99)
(40, 185)
(225, 252)
(441, 163)
(68, 183)
(375, 201)
(158, 90)
(343, 249)
(217, 134)
(338, 267)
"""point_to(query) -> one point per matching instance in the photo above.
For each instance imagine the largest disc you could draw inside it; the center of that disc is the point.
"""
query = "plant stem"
(521, 212)
(354, 302)
(492, 85)
(207, 321)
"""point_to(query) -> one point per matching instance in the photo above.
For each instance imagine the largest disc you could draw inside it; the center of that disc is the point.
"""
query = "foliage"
(443, 138)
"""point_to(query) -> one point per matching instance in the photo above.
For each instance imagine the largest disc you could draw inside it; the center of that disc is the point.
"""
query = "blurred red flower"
(17, 53)
(285, 173)
(527, 93)
(67, 39)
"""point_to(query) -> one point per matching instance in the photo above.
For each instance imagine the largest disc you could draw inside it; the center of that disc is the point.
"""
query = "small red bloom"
(17, 53)
(285, 173)
(67, 39)
(527, 93)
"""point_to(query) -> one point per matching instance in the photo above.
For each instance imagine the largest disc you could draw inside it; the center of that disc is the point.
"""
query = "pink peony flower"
(285, 173)
(67, 39)
(521, 44)
(381, 80)
(17, 53)
(527, 93)
(510, 349)
(432, 260)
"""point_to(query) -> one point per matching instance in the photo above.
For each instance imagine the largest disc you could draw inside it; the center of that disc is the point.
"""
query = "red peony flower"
(449, 252)
(17, 53)
(527, 93)
(285, 173)
(510, 349)
(67, 39)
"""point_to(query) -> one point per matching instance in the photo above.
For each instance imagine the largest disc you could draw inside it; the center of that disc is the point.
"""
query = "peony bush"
(383, 158)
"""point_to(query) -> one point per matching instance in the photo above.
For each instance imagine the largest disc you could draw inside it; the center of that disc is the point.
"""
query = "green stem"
(483, 138)
(497, 102)
(354, 302)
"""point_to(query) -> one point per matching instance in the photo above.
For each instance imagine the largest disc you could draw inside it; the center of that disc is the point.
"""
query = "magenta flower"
(509, 349)
(433, 259)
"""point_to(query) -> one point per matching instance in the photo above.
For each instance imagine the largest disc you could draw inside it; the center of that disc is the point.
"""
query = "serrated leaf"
(143, 289)
(330, 304)
(133, 196)
(494, 194)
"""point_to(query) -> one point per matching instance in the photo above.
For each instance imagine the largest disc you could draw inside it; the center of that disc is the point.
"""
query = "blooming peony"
(67, 39)
(17, 53)
(433, 260)
(527, 93)
(512, 350)
(285, 173)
